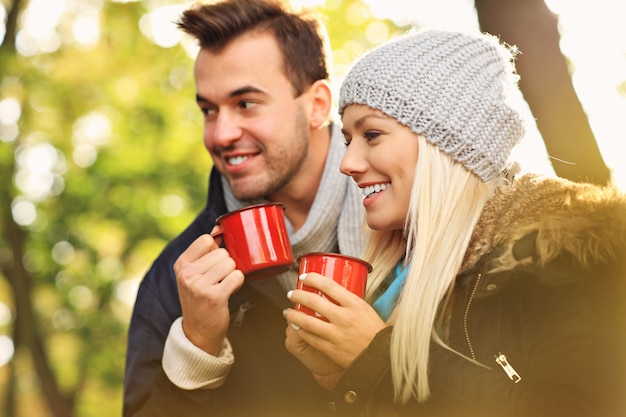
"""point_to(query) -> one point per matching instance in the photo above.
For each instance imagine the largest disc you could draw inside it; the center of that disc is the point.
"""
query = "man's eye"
(247, 105)
(206, 111)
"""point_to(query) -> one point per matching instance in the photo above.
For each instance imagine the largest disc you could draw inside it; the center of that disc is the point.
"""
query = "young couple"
(491, 294)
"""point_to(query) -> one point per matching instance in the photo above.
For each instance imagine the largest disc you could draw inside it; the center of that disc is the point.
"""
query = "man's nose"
(225, 131)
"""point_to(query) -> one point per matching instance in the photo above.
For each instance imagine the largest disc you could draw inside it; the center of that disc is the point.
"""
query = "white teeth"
(236, 160)
(373, 189)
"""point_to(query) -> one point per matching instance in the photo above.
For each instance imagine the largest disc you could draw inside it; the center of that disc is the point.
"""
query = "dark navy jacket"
(265, 380)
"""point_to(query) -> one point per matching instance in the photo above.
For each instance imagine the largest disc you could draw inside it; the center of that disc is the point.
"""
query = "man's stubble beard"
(282, 167)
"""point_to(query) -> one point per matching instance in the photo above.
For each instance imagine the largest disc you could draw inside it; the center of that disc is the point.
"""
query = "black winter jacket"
(265, 380)
(556, 311)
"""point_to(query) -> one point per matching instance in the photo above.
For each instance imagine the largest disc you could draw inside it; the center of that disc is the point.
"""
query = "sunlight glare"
(596, 44)
(90, 132)
(40, 170)
(63, 253)
(81, 297)
(171, 205)
(3, 18)
(7, 349)
(377, 32)
(307, 3)
(23, 211)
(433, 13)
(357, 14)
(159, 26)
(86, 29)
(38, 33)
(5, 314)
(93, 128)
(126, 290)
(10, 111)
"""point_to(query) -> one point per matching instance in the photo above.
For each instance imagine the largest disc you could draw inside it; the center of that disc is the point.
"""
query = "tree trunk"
(26, 330)
(13, 9)
(547, 85)
(10, 392)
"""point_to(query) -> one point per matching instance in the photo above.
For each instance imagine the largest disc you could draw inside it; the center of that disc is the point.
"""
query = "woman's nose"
(354, 161)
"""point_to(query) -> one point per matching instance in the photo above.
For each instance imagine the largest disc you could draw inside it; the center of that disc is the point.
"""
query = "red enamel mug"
(256, 238)
(350, 272)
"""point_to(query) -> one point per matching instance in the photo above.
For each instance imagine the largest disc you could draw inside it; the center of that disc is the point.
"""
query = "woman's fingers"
(333, 295)
(351, 323)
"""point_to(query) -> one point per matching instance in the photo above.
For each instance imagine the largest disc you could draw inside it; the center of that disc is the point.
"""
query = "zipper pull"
(240, 314)
(512, 373)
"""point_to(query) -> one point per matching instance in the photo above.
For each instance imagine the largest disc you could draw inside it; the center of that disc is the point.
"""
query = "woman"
(490, 295)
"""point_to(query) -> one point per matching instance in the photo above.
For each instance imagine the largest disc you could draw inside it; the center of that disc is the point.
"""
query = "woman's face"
(381, 157)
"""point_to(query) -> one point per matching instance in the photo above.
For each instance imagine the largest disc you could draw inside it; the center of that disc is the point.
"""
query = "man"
(202, 340)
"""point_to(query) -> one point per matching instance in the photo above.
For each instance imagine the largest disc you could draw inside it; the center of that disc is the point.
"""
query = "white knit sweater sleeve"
(189, 367)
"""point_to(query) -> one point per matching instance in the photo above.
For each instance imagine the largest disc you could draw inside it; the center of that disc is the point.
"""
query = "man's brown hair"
(301, 36)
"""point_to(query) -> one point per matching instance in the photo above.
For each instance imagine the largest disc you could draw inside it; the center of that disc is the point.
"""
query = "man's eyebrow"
(235, 93)
(245, 90)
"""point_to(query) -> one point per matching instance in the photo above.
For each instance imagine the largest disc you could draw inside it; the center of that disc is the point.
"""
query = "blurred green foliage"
(102, 162)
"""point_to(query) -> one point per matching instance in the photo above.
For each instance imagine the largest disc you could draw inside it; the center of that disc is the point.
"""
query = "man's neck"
(299, 194)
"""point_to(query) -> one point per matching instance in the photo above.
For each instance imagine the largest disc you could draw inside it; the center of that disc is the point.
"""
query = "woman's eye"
(347, 138)
(371, 135)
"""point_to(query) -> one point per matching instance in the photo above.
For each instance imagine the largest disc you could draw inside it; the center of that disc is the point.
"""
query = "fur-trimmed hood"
(535, 220)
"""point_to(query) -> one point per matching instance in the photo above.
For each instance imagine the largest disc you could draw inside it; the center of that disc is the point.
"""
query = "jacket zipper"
(500, 357)
(465, 315)
(504, 363)
(240, 314)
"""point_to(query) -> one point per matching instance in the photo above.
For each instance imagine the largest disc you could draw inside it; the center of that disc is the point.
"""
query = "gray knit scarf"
(335, 221)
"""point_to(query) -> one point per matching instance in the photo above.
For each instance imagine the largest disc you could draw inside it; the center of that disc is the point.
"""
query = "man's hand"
(207, 278)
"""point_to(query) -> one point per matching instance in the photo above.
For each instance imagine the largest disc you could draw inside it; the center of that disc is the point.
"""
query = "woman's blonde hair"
(446, 203)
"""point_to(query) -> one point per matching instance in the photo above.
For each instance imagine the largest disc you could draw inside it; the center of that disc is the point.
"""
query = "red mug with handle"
(256, 238)
(350, 272)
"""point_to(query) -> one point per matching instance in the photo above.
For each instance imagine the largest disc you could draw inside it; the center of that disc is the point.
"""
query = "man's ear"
(321, 103)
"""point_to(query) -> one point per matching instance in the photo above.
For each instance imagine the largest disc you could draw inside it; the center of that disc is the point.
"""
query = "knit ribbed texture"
(455, 89)
(189, 367)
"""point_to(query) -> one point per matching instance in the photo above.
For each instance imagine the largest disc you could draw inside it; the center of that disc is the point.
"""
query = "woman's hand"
(317, 362)
(351, 326)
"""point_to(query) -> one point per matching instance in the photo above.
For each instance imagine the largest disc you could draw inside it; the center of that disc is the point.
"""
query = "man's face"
(256, 131)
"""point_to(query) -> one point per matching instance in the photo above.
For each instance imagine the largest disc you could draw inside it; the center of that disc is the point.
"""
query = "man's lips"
(236, 160)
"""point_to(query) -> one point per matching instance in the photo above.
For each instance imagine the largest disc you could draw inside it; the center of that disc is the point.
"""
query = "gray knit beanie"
(453, 88)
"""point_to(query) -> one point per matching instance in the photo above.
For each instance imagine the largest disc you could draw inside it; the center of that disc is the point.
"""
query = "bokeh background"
(101, 161)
